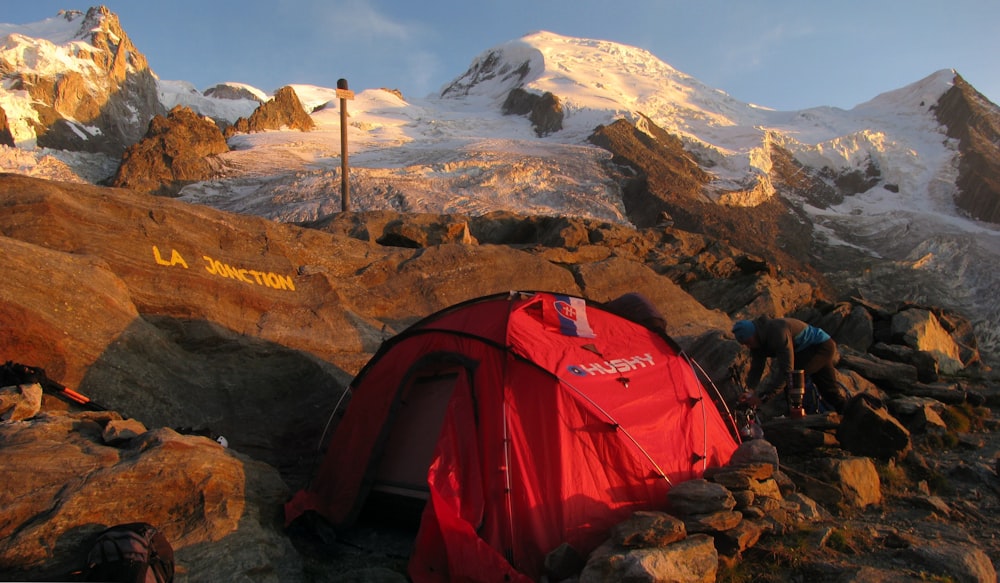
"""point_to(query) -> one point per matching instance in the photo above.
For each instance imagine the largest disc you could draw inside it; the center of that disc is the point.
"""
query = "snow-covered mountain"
(895, 234)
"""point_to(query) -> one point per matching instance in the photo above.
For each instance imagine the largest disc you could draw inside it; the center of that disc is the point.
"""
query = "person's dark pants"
(818, 362)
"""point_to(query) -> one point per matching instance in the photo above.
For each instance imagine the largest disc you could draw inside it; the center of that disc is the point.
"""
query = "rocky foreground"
(178, 319)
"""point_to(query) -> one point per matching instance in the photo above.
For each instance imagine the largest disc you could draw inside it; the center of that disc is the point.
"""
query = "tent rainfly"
(525, 420)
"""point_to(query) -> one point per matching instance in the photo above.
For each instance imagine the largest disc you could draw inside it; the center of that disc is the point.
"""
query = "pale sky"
(782, 54)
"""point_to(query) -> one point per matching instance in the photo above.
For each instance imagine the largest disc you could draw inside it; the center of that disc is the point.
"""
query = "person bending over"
(794, 345)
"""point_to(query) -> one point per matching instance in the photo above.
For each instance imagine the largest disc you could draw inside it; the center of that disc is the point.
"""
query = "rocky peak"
(227, 91)
(176, 151)
(115, 54)
(284, 110)
(974, 121)
(667, 187)
(492, 66)
(101, 105)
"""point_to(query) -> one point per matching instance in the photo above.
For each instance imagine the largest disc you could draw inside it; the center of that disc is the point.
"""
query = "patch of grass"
(939, 484)
(894, 478)
(957, 418)
(792, 550)
(939, 441)
(759, 565)
(966, 417)
(840, 542)
(851, 541)
(741, 572)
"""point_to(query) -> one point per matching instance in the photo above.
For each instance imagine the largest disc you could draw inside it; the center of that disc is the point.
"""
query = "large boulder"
(918, 414)
(610, 278)
(921, 330)
(699, 496)
(857, 478)
(181, 315)
(425, 231)
(648, 529)
(850, 325)
(63, 484)
(691, 560)
(957, 561)
(175, 152)
(924, 362)
(894, 377)
(868, 429)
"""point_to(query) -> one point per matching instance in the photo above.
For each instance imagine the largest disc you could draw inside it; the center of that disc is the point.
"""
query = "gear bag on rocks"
(135, 553)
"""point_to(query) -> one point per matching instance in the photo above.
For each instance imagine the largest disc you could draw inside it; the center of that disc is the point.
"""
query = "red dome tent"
(525, 420)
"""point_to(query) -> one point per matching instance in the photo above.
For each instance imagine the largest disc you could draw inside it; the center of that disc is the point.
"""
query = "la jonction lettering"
(216, 267)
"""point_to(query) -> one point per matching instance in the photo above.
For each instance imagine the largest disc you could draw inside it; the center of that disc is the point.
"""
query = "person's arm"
(780, 344)
(757, 362)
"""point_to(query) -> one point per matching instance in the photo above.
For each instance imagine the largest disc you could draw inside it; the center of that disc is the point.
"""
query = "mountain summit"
(76, 82)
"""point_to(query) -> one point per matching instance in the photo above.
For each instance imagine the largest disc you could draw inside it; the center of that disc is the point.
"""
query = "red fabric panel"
(448, 547)
(585, 454)
(338, 485)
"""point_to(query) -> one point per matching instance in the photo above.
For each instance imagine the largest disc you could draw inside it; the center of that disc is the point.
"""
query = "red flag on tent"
(568, 315)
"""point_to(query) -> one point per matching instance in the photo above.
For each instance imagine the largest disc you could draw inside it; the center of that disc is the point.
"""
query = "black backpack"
(132, 553)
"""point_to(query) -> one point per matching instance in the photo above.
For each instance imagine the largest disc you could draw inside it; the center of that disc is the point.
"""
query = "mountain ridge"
(891, 175)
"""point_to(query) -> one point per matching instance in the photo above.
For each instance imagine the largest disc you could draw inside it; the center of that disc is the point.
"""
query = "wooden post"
(345, 190)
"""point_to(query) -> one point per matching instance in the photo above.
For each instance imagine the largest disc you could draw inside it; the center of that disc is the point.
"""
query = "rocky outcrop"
(666, 170)
(932, 341)
(820, 187)
(229, 91)
(101, 107)
(971, 119)
(492, 65)
(6, 138)
(739, 512)
(179, 315)
(544, 111)
(393, 229)
(284, 110)
(668, 185)
(67, 476)
(176, 150)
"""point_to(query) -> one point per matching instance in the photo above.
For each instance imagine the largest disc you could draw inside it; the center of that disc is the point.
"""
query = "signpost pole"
(345, 190)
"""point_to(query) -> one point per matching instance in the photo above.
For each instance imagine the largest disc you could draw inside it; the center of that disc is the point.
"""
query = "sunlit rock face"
(975, 123)
(102, 104)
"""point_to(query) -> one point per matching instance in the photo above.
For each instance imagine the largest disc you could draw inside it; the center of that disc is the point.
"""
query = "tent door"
(409, 448)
